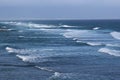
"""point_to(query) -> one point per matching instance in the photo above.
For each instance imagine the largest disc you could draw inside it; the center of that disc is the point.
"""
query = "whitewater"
(60, 50)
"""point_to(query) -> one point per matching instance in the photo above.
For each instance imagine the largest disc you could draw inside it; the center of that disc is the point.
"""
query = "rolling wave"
(30, 25)
(38, 26)
(94, 43)
(26, 51)
(115, 35)
(109, 51)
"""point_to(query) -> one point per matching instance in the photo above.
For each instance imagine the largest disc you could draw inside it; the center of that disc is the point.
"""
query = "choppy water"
(60, 50)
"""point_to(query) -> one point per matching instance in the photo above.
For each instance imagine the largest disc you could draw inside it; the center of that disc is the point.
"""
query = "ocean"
(60, 50)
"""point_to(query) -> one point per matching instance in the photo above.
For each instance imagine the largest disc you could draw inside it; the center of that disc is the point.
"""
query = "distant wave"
(113, 45)
(66, 26)
(77, 35)
(27, 58)
(21, 36)
(34, 25)
(109, 51)
(11, 50)
(115, 35)
(44, 69)
(56, 75)
(31, 25)
(18, 51)
(96, 28)
(94, 43)
(25, 51)
(31, 55)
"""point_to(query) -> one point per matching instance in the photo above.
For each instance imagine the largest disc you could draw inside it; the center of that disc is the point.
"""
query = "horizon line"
(59, 19)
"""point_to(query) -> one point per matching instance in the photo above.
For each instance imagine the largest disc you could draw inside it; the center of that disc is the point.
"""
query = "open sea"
(60, 50)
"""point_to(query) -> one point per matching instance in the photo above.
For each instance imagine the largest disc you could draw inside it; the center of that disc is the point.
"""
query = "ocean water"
(60, 50)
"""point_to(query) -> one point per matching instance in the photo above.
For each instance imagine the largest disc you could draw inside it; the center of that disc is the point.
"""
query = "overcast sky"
(59, 9)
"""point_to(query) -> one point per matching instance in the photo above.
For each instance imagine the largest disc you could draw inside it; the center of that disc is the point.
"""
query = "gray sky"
(59, 9)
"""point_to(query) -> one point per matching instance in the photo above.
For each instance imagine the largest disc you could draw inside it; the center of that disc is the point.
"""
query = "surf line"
(49, 70)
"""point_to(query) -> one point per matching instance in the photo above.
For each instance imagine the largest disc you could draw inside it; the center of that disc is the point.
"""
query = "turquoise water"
(60, 50)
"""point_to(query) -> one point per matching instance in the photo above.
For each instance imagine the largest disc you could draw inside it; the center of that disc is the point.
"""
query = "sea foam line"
(109, 51)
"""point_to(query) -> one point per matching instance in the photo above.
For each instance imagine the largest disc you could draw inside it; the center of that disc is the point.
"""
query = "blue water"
(60, 50)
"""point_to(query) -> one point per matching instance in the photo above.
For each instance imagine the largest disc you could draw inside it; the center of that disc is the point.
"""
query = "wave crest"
(109, 51)
(115, 35)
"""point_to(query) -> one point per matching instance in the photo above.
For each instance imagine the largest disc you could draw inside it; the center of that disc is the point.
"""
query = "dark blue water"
(60, 50)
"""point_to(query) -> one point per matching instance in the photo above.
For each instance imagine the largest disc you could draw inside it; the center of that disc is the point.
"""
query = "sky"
(59, 9)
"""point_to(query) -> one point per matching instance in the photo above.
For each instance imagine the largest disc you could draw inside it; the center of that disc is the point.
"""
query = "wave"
(11, 50)
(19, 51)
(55, 75)
(73, 76)
(94, 43)
(62, 76)
(30, 25)
(115, 35)
(109, 51)
(32, 58)
(44, 68)
(96, 28)
(66, 26)
(21, 36)
(80, 37)
(75, 33)
(26, 51)
(113, 45)
(90, 43)
(27, 58)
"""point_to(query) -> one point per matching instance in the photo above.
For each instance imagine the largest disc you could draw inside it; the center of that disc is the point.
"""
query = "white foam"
(67, 26)
(109, 51)
(26, 58)
(31, 25)
(94, 43)
(75, 33)
(96, 28)
(44, 68)
(10, 50)
(62, 76)
(21, 36)
(57, 74)
(74, 38)
(113, 45)
(27, 51)
(19, 51)
(115, 35)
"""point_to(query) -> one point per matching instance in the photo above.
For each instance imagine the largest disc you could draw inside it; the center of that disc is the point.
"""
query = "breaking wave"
(96, 28)
(67, 26)
(34, 25)
(26, 51)
(113, 45)
(115, 35)
(94, 44)
(109, 51)
(11, 50)
(31, 25)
